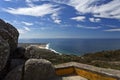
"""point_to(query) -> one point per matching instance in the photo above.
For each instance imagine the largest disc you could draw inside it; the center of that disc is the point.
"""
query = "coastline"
(105, 59)
(39, 45)
(77, 46)
(48, 47)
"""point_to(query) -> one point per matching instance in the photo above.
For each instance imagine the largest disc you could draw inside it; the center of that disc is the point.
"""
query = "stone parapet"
(87, 71)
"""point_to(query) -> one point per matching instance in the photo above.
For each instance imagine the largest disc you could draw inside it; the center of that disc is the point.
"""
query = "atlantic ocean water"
(77, 46)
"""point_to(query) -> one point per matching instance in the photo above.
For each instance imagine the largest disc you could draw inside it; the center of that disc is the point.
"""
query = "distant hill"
(106, 59)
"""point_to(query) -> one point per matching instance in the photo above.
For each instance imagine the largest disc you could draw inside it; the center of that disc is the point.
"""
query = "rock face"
(38, 69)
(10, 34)
(15, 74)
(19, 53)
(4, 52)
(11, 57)
(8, 43)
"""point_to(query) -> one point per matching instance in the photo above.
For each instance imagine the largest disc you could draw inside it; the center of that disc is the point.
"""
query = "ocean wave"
(48, 47)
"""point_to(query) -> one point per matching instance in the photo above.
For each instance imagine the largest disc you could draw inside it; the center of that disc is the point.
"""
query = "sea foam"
(48, 47)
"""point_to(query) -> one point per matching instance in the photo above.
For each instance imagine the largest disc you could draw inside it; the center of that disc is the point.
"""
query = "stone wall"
(87, 71)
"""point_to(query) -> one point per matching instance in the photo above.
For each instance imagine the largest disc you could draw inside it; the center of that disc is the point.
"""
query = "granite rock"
(38, 69)
(8, 43)
(10, 34)
(34, 51)
(4, 52)
(15, 74)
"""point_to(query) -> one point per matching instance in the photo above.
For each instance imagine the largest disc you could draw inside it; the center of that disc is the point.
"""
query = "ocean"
(77, 46)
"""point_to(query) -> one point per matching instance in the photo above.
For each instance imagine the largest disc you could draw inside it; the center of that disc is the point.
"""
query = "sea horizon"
(77, 46)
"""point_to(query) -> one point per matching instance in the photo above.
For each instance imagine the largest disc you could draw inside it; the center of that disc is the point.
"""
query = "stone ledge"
(92, 69)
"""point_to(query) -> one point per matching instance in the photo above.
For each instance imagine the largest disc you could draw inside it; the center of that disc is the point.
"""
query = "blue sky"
(63, 18)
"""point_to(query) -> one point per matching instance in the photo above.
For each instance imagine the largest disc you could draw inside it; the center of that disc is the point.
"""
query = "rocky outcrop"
(4, 52)
(8, 43)
(18, 57)
(11, 57)
(34, 51)
(10, 34)
(19, 53)
(34, 69)
(16, 62)
(38, 69)
(15, 74)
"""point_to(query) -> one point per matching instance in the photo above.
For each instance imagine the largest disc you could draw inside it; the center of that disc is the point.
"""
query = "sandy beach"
(39, 45)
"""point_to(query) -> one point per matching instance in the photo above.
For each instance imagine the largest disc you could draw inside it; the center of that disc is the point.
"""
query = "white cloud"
(108, 10)
(80, 26)
(8, 0)
(44, 28)
(58, 21)
(94, 19)
(27, 29)
(40, 10)
(27, 23)
(56, 18)
(30, 2)
(23, 30)
(113, 30)
(56, 1)
(79, 18)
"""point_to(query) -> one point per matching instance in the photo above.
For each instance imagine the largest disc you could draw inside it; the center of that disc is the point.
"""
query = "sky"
(63, 18)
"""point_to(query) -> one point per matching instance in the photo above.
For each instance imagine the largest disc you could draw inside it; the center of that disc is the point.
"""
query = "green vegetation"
(105, 59)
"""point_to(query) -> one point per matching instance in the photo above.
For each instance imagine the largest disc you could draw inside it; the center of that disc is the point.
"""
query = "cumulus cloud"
(113, 30)
(27, 23)
(79, 18)
(39, 10)
(95, 19)
(80, 26)
(56, 18)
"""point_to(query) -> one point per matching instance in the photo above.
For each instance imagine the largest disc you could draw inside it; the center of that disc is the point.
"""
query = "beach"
(40, 45)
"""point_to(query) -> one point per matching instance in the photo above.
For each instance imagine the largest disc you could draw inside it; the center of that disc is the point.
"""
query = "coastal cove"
(77, 46)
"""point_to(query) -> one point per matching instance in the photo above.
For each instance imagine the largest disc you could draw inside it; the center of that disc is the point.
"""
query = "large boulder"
(34, 51)
(10, 34)
(15, 74)
(19, 53)
(8, 43)
(38, 69)
(4, 52)
(16, 62)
